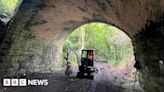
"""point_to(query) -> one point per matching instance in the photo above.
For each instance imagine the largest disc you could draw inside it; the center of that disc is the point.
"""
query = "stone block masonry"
(149, 50)
(21, 54)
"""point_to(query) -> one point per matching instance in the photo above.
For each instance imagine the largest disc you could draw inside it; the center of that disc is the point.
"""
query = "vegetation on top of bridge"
(7, 9)
(110, 43)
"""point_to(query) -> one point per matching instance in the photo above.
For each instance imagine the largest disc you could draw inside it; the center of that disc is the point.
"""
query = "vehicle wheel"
(89, 74)
(91, 77)
(80, 75)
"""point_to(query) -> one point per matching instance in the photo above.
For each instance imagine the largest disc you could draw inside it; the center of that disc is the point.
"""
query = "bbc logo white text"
(24, 82)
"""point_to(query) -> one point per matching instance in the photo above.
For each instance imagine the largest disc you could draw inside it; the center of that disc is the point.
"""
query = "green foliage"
(9, 6)
(110, 44)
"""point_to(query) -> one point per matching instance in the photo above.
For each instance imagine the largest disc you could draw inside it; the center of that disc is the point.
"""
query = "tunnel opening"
(104, 39)
(25, 52)
(113, 51)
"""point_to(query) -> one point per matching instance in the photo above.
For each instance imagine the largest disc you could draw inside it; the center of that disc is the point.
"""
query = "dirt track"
(106, 80)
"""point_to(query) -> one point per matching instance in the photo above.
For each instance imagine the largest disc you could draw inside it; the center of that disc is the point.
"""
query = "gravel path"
(108, 79)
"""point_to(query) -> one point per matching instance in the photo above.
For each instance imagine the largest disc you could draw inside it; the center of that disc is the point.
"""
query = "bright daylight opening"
(113, 53)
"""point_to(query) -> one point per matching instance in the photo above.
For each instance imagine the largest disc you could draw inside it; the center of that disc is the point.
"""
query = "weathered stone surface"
(20, 51)
(27, 55)
(66, 15)
(24, 50)
(148, 45)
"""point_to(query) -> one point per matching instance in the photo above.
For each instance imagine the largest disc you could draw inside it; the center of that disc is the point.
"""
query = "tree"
(110, 43)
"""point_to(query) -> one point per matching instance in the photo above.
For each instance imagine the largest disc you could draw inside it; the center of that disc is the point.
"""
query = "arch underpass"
(111, 44)
(113, 56)
(33, 40)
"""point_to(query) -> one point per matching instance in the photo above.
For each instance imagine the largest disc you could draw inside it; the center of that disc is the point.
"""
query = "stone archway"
(32, 34)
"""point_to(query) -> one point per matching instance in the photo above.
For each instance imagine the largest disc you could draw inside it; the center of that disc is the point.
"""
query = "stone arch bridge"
(32, 41)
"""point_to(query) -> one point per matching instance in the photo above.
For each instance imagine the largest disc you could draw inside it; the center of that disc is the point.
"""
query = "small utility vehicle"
(87, 67)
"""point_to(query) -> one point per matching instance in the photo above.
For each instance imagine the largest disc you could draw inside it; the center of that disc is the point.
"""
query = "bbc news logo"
(24, 82)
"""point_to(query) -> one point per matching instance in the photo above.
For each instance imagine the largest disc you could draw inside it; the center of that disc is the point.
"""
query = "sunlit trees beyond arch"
(110, 43)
